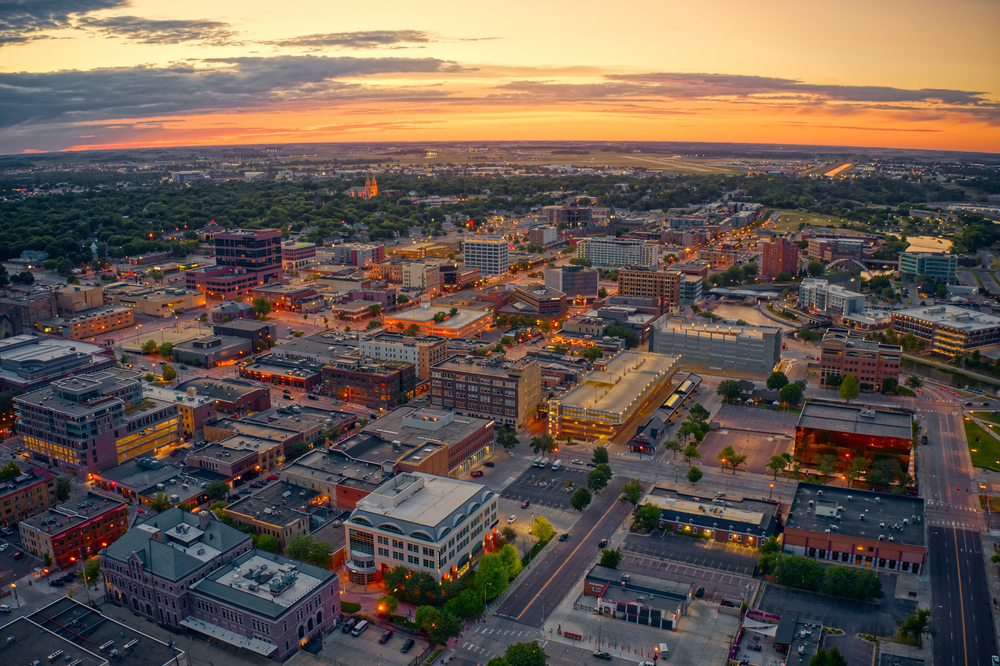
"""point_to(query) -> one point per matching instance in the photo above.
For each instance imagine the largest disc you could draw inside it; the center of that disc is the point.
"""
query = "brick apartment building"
(26, 494)
(376, 384)
(871, 362)
(665, 286)
(780, 256)
(74, 531)
(506, 391)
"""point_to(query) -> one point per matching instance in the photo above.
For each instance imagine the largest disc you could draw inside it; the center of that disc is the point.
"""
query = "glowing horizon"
(98, 74)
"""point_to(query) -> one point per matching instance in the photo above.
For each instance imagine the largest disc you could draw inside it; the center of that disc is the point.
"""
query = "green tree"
(849, 388)
(511, 560)
(580, 499)
(857, 469)
(261, 307)
(602, 293)
(632, 492)
(467, 604)
(492, 576)
(694, 474)
(166, 350)
(917, 625)
(169, 374)
(831, 658)
(698, 414)
(648, 516)
(63, 487)
(306, 548)
(600, 456)
(597, 479)
(9, 471)
(439, 624)
(525, 654)
(160, 503)
(884, 472)
(543, 442)
(508, 533)
(728, 457)
(507, 439)
(375, 309)
(217, 490)
(914, 382)
(729, 390)
(672, 445)
(149, 347)
(92, 570)
(626, 334)
(592, 353)
(790, 394)
(386, 605)
(890, 385)
(691, 451)
(267, 542)
(776, 464)
(815, 269)
(610, 558)
(776, 380)
(402, 299)
(411, 331)
(799, 571)
(542, 529)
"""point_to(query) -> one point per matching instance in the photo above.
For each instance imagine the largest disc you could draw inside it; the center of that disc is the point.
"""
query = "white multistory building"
(616, 252)
(489, 254)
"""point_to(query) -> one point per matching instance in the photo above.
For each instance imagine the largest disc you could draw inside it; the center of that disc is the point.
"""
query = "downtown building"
(28, 362)
(423, 352)
(94, 422)
(780, 256)
(617, 252)
(572, 280)
(491, 388)
(664, 286)
(75, 531)
(376, 384)
(819, 295)
(431, 524)
(871, 362)
(244, 260)
(754, 349)
(937, 265)
(490, 254)
(948, 330)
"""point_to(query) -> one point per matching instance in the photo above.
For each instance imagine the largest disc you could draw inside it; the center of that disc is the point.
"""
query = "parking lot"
(854, 617)
(545, 488)
(343, 649)
(723, 557)
(11, 569)
(717, 585)
(756, 419)
(757, 447)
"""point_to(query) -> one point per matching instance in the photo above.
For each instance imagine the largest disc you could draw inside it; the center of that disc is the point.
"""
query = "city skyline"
(87, 74)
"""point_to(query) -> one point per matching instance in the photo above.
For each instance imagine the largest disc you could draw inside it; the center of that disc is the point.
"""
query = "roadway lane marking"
(578, 547)
(961, 600)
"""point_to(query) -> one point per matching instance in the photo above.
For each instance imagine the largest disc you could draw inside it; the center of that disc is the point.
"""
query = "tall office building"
(665, 286)
(489, 254)
(780, 256)
(617, 252)
(243, 260)
(572, 280)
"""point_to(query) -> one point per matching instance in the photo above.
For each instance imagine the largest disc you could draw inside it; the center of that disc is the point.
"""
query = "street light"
(770, 492)
(16, 601)
(543, 607)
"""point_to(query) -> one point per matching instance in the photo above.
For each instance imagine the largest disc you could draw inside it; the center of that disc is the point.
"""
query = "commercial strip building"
(617, 252)
(140, 481)
(857, 527)
(94, 422)
(259, 333)
(341, 480)
(211, 351)
(154, 302)
(280, 371)
(948, 330)
(278, 509)
(28, 493)
(491, 388)
(374, 383)
(244, 260)
(73, 532)
(718, 259)
(490, 254)
(423, 352)
(610, 396)
(231, 396)
(819, 295)
(462, 324)
(87, 324)
(665, 286)
(417, 250)
(742, 522)
(643, 600)
(746, 348)
(29, 362)
(192, 572)
(937, 265)
(572, 280)
(780, 256)
(871, 362)
(296, 256)
(852, 431)
(431, 524)
(290, 298)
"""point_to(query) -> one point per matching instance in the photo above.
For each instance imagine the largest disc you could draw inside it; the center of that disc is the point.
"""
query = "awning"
(231, 637)
(765, 628)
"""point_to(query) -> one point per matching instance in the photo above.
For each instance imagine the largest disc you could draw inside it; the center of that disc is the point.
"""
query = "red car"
(272, 477)
(525, 504)
(476, 474)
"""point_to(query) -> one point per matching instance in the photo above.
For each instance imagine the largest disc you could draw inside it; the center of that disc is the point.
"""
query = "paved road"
(962, 618)
(552, 580)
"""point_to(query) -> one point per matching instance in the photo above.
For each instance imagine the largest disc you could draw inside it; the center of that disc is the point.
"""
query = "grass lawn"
(986, 416)
(350, 607)
(790, 219)
(984, 448)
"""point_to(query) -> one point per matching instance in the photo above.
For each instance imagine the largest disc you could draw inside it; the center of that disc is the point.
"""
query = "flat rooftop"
(140, 473)
(426, 316)
(263, 582)
(951, 317)
(34, 644)
(884, 514)
(491, 365)
(439, 498)
(707, 508)
(220, 389)
(414, 426)
(689, 327)
(277, 503)
(639, 582)
(855, 419)
(72, 514)
(88, 631)
(280, 367)
(336, 466)
(613, 390)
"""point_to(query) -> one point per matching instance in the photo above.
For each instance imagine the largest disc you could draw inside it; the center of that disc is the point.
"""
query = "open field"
(790, 219)
(984, 448)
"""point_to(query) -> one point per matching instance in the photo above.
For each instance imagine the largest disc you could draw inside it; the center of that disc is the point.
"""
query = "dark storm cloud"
(24, 20)
(150, 31)
(227, 83)
(369, 39)
(702, 86)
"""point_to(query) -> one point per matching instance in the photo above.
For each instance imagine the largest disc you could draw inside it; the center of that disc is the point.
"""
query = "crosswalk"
(937, 504)
(523, 636)
(952, 523)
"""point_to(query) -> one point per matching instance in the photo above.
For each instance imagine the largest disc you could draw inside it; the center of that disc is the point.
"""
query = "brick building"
(26, 494)
(780, 256)
(75, 531)
(665, 286)
(506, 391)
(871, 362)
(373, 383)
(244, 260)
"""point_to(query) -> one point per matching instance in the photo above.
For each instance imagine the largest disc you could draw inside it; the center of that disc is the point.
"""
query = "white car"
(4, 547)
(4, 608)
(511, 519)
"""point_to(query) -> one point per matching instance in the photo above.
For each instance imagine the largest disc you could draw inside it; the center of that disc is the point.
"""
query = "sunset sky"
(80, 74)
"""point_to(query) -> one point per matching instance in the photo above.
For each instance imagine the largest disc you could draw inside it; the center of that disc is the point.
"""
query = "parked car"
(287, 397)
(285, 391)
(576, 462)
(590, 464)
(563, 536)
(626, 577)
(477, 474)
(602, 655)
(602, 543)
(4, 547)
(407, 644)
(4, 608)
(511, 519)
(349, 625)
(272, 477)
(311, 397)
(525, 504)
(488, 463)
(6, 531)
(184, 367)
(384, 638)
(56, 583)
(18, 555)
